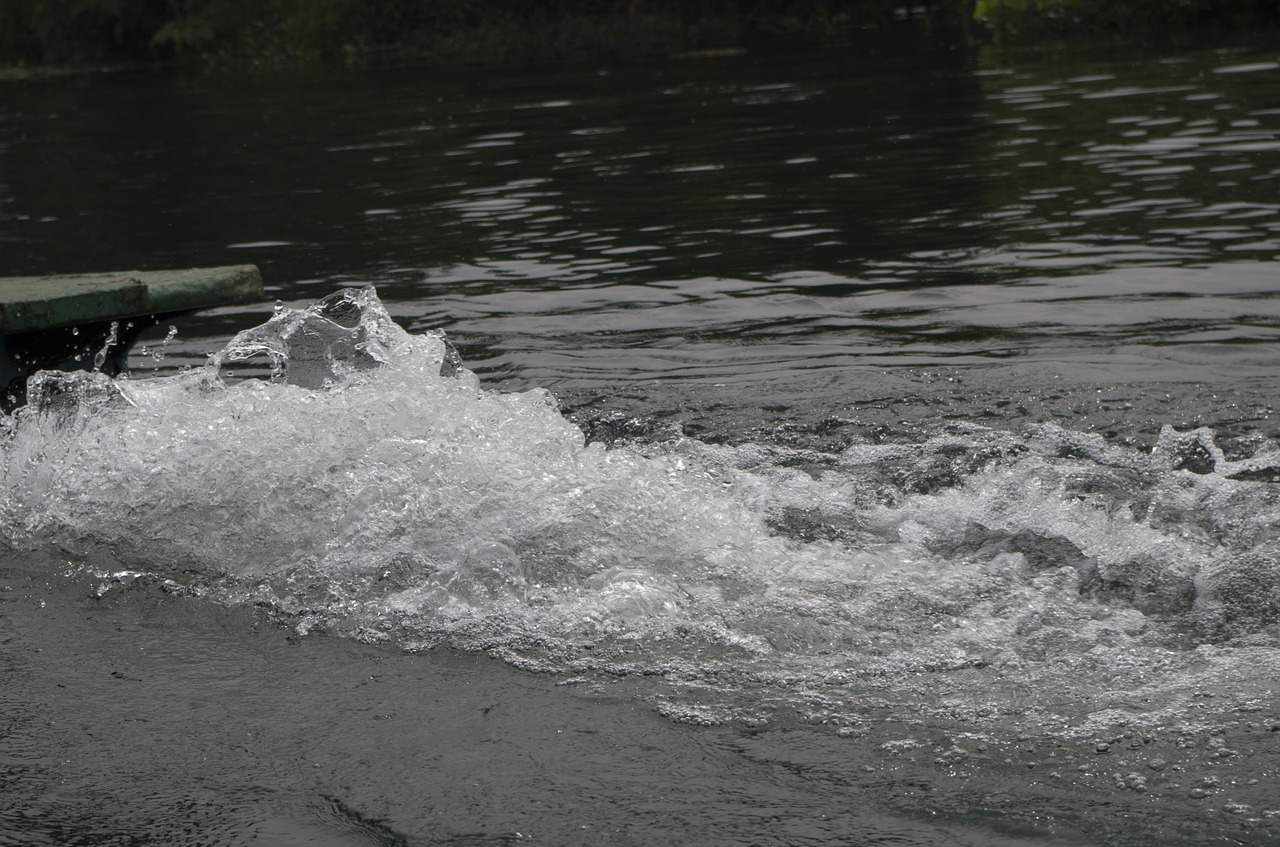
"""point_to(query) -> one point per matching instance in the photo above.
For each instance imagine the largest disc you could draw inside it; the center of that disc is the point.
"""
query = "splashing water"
(371, 488)
(100, 358)
(157, 354)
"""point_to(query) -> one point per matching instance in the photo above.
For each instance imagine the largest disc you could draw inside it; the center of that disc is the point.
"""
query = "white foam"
(372, 487)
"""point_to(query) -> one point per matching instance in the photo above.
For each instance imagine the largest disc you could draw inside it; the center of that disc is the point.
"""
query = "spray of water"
(371, 488)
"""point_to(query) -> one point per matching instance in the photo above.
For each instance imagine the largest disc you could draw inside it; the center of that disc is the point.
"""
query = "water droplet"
(101, 357)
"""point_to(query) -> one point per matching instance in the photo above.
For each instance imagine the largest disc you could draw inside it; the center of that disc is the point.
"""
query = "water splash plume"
(365, 484)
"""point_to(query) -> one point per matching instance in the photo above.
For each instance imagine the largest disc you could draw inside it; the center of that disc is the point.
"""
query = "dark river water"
(871, 447)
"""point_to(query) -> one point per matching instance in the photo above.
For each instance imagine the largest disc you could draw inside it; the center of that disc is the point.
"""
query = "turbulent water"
(1041, 587)
(875, 446)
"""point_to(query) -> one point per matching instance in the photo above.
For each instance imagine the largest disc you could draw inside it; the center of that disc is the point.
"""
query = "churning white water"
(372, 488)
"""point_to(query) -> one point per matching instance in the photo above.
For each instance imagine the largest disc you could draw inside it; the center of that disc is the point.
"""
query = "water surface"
(849, 450)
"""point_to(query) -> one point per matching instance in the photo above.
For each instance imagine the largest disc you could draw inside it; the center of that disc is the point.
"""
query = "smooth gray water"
(940, 559)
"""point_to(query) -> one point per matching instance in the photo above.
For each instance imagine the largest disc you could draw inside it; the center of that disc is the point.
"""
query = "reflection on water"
(828, 202)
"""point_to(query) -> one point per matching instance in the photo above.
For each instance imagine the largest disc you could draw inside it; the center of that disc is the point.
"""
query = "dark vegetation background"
(265, 32)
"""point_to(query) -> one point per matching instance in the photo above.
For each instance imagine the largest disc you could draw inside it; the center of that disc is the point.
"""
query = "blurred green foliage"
(1039, 16)
(84, 30)
(294, 31)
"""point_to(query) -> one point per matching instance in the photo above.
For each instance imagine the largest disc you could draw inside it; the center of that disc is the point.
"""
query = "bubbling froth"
(370, 487)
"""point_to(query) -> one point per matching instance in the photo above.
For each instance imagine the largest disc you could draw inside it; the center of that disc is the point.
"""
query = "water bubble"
(633, 594)
(1241, 593)
(490, 569)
